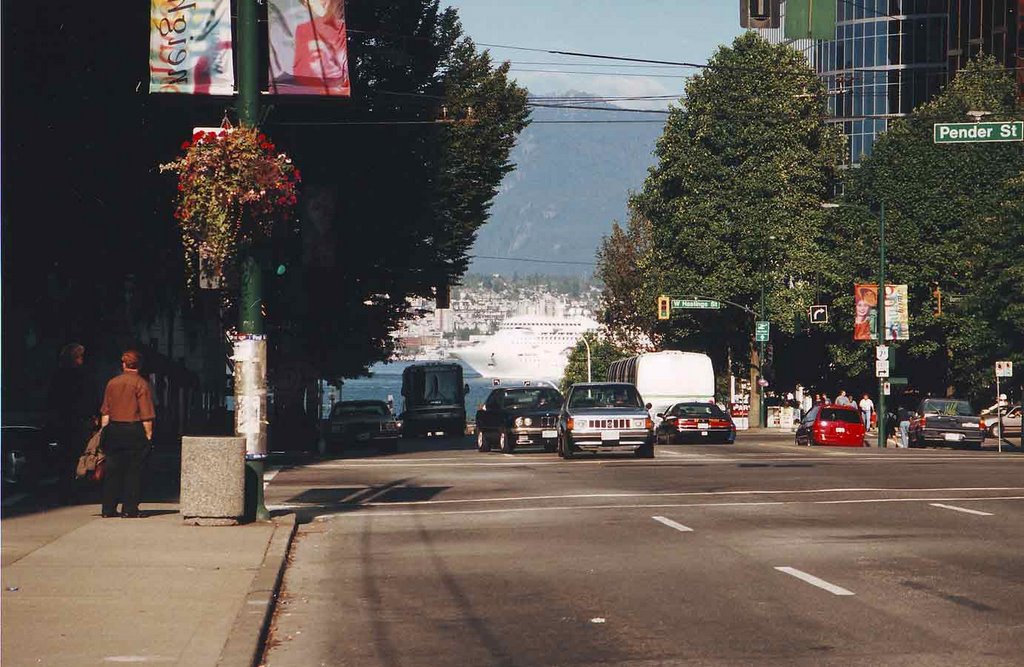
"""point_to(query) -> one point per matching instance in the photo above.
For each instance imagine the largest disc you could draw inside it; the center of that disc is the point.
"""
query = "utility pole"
(881, 320)
(762, 416)
(250, 351)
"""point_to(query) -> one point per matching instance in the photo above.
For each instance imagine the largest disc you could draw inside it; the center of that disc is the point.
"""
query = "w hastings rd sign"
(958, 133)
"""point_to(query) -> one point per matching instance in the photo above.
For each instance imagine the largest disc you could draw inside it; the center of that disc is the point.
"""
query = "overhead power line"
(537, 261)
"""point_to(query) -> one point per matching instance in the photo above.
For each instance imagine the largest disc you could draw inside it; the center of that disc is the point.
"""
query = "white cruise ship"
(526, 347)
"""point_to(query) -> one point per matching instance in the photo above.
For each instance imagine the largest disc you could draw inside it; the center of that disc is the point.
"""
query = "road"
(758, 553)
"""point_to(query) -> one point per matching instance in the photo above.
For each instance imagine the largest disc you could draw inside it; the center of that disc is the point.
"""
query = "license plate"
(703, 425)
(953, 436)
(549, 434)
(840, 429)
(703, 432)
(609, 435)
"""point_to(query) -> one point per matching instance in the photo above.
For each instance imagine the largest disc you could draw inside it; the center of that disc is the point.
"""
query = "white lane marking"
(672, 524)
(814, 581)
(681, 455)
(961, 509)
(678, 494)
(10, 500)
(356, 511)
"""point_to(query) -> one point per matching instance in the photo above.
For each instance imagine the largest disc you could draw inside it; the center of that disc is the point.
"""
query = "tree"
(603, 351)
(734, 201)
(624, 266)
(952, 214)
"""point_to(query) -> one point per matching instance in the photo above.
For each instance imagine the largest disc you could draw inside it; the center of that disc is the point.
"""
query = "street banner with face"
(897, 312)
(190, 47)
(308, 48)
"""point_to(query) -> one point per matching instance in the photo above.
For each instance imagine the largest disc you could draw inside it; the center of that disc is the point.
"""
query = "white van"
(668, 377)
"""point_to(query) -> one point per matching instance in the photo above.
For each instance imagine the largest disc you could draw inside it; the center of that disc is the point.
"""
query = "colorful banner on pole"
(897, 312)
(810, 19)
(190, 47)
(308, 48)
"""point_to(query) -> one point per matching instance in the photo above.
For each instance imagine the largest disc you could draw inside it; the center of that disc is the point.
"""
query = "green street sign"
(761, 329)
(897, 380)
(959, 133)
(706, 304)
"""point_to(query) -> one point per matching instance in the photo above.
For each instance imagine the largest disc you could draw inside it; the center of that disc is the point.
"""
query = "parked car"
(605, 417)
(28, 455)
(946, 421)
(831, 424)
(364, 422)
(695, 421)
(518, 416)
(1011, 421)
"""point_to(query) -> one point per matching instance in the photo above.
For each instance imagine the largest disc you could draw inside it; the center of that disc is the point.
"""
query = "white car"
(1011, 421)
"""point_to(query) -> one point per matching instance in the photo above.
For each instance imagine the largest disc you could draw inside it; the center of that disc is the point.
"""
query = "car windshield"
(698, 410)
(534, 397)
(605, 396)
(946, 407)
(840, 415)
(346, 409)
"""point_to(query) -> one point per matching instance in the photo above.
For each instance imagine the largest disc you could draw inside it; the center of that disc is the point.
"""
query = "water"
(387, 380)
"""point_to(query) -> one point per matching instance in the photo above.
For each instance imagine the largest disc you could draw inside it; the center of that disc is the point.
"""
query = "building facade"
(890, 56)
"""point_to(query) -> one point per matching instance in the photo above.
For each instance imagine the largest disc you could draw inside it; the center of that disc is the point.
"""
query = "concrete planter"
(212, 480)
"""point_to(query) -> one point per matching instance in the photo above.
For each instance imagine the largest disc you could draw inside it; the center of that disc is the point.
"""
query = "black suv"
(949, 421)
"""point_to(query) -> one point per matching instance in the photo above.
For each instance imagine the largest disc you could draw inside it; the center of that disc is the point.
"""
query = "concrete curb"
(244, 647)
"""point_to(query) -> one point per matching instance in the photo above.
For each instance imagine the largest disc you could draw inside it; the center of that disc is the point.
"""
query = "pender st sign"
(955, 133)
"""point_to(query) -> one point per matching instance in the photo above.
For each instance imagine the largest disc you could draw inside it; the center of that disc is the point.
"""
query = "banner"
(897, 312)
(814, 19)
(190, 47)
(308, 48)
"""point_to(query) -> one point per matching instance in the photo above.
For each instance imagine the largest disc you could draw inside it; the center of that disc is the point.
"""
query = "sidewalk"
(82, 590)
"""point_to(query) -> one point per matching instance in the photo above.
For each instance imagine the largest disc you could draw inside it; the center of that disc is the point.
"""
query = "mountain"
(572, 180)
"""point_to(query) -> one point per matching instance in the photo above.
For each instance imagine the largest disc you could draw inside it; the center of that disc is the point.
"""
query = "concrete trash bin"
(212, 480)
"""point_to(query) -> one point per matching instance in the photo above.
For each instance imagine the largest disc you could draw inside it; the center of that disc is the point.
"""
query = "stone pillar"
(212, 480)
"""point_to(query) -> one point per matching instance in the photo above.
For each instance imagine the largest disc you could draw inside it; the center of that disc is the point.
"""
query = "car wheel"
(481, 442)
(993, 431)
(505, 443)
(321, 446)
(645, 451)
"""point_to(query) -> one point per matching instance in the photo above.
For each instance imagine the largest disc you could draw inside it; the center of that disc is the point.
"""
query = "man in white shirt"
(843, 399)
(867, 406)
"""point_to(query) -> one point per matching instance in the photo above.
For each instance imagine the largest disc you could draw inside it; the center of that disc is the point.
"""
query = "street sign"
(818, 314)
(887, 388)
(1004, 369)
(895, 380)
(881, 353)
(958, 133)
(761, 330)
(882, 368)
(700, 304)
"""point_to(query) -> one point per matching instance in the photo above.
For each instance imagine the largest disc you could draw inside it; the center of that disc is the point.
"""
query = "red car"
(831, 424)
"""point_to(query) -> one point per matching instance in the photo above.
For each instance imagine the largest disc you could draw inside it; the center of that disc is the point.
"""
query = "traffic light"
(664, 307)
(759, 13)
(937, 293)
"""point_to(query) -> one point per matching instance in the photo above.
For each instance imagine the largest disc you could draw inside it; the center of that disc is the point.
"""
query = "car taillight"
(924, 422)
(981, 424)
(720, 423)
(570, 423)
(648, 423)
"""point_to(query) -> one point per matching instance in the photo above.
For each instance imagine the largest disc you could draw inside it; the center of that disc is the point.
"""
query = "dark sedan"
(695, 422)
(361, 423)
(605, 417)
(28, 455)
(518, 416)
(948, 421)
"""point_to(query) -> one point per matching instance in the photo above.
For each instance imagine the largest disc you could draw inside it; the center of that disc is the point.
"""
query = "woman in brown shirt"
(127, 418)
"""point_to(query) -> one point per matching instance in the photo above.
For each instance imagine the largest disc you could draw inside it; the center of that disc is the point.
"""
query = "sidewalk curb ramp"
(244, 646)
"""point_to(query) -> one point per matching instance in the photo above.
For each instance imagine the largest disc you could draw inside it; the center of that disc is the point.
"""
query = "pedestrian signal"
(664, 307)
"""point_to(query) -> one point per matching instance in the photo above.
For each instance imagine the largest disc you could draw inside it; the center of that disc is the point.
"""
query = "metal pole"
(881, 320)
(762, 416)
(251, 306)
(587, 344)
(999, 415)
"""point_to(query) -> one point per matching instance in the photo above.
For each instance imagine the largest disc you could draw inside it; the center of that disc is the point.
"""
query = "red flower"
(185, 146)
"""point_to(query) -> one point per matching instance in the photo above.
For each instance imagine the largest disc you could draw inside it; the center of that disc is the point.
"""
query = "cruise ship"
(526, 347)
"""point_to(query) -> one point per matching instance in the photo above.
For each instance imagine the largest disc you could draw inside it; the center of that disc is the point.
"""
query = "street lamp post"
(587, 344)
(762, 416)
(880, 319)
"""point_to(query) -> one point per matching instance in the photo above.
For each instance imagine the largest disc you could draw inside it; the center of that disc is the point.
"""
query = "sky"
(672, 30)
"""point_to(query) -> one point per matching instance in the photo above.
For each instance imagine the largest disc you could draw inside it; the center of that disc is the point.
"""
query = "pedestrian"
(805, 405)
(127, 418)
(71, 403)
(843, 399)
(867, 406)
(903, 417)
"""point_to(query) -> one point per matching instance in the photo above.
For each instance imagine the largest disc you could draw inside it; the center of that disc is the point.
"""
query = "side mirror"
(660, 415)
(649, 406)
(482, 407)
(465, 388)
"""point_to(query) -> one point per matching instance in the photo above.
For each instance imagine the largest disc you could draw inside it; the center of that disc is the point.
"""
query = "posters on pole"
(308, 48)
(897, 312)
(190, 47)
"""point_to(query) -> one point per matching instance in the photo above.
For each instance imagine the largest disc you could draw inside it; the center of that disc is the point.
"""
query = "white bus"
(665, 378)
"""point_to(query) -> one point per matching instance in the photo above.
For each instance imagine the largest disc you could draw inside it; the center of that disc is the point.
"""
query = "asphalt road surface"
(758, 553)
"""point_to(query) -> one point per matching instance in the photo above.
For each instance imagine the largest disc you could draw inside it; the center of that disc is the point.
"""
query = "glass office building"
(890, 56)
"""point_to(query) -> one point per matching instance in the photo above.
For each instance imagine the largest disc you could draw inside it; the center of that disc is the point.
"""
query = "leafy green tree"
(953, 214)
(624, 262)
(603, 351)
(734, 201)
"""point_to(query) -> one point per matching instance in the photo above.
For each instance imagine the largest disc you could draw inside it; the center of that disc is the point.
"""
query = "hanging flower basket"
(234, 187)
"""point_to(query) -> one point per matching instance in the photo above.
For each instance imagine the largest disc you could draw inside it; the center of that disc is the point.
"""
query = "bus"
(668, 377)
(435, 399)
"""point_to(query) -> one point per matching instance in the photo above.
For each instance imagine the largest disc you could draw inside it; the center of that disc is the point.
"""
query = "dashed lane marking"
(814, 581)
(961, 509)
(672, 524)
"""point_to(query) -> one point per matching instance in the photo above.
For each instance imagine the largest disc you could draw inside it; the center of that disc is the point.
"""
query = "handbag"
(99, 471)
(91, 462)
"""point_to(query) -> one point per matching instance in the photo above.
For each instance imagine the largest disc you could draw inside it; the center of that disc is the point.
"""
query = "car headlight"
(527, 421)
(518, 421)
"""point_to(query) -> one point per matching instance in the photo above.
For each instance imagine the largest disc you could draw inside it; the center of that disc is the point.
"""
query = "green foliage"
(603, 352)
(624, 259)
(953, 221)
